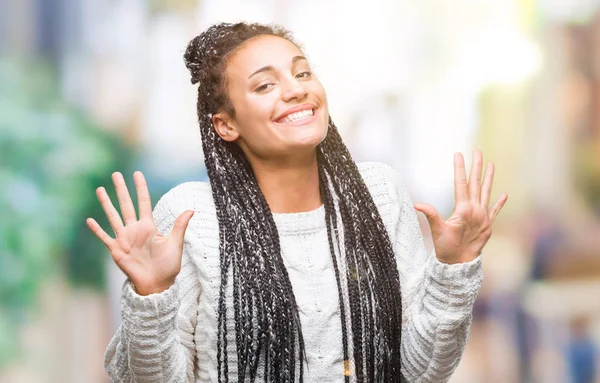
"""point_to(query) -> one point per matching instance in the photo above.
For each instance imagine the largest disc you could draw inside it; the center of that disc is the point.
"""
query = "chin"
(310, 139)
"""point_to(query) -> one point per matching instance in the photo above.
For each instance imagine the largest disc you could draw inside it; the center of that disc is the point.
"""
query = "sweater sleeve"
(437, 300)
(155, 341)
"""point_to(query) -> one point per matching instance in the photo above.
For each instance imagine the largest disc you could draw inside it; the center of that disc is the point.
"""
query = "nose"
(293, 89)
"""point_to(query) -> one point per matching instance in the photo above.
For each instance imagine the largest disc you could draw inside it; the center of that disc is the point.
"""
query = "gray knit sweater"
(172, 336)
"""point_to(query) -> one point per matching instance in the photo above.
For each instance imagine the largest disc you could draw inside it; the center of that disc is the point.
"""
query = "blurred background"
(88, 87)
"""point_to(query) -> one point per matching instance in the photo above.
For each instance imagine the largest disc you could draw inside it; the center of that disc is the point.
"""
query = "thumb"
(431, 214)
(180, 226)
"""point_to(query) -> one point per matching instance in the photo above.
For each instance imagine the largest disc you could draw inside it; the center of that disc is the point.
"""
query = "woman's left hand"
(462, 236)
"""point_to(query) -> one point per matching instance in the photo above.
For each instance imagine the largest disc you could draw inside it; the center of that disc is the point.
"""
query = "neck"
(289, 186)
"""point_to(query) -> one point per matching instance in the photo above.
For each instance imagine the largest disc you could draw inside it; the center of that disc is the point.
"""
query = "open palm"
(462, 236)
(150, 260)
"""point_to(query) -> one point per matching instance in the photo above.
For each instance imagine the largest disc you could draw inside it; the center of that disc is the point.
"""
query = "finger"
(486, 188)
(475, 177)
(144, 202)
(433, 217)
(114, 219)
(460, 179)
(180, 226)
(125, 202)
(106, 239)
(497, 206)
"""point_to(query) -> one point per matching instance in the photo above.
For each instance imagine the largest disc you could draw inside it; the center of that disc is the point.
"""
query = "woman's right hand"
(150, 260)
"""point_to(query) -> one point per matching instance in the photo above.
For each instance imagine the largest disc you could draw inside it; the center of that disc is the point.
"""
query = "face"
(280, 106)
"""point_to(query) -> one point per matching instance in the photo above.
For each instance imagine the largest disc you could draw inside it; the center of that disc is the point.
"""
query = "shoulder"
(385, 184)
(194, 195)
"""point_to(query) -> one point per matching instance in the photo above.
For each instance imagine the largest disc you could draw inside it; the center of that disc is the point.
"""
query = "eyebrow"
(270, 68)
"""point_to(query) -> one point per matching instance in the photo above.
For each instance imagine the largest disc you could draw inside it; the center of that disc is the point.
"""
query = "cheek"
(261, 107)
(318, 90)
(253, 115)
(257, 130)
(322, 97)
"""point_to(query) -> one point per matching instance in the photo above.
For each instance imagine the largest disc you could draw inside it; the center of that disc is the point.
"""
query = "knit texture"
(172, 336)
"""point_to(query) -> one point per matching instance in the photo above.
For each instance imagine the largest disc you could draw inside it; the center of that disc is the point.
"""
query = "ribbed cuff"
(466, 271)
(136, 308)
(455, 286)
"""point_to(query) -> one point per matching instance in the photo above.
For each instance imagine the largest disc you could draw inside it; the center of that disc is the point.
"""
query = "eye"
(305, 74)
(264, 87)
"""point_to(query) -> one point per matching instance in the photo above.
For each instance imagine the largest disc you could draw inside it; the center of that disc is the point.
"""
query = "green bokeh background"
(52, 157)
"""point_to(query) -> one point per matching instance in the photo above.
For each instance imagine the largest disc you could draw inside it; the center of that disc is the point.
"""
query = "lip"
(298, 108)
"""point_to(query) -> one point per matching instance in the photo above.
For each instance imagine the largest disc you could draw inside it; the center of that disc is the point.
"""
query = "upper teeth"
(297, 116)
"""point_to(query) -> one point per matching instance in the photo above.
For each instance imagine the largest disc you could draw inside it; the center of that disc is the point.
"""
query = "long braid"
(331, 221)
(265, 313)
(243, 233)
(375, 272)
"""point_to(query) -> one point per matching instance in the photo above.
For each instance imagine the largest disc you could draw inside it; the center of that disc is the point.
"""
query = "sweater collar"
(296, 223)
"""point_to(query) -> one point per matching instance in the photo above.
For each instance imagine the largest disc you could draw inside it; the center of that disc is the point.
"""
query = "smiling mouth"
(295, 117)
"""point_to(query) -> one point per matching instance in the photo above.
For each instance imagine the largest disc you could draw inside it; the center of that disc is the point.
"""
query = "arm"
(155, 342)
(437, 300)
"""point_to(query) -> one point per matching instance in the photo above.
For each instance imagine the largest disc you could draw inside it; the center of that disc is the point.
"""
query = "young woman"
(294, 263)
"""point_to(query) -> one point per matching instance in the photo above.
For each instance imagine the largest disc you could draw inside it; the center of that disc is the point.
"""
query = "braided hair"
(265, 312)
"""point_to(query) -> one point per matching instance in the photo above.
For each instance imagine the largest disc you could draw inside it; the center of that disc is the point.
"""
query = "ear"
(224, 128)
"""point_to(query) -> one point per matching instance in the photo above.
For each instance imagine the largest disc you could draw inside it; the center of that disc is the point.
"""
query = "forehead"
(262, 51)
